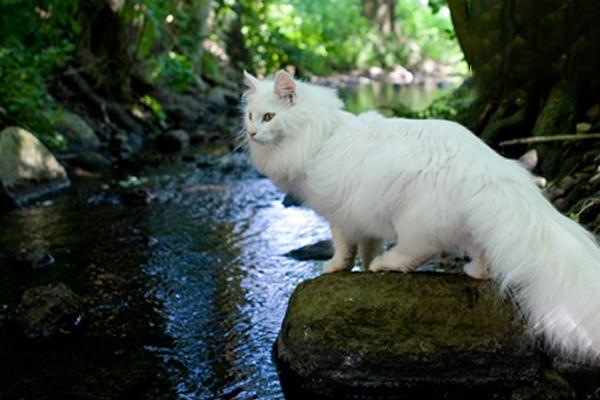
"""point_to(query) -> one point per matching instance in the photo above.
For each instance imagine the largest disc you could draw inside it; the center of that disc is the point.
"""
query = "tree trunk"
(382, 13)
(201, 11)
(104, 47)
(236, 46)
(535, 65)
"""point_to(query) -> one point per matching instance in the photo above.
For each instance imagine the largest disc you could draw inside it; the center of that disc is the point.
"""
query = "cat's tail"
(550, 263)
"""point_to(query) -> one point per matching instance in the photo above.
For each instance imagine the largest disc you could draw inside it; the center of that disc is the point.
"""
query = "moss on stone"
(420, 333)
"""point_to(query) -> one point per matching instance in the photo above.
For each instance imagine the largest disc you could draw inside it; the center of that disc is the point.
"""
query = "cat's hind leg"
(344, 252)
(368, 250)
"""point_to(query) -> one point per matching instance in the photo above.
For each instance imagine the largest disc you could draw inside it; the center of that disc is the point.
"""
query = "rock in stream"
(28, 170)
(49, 311)
(405, 336)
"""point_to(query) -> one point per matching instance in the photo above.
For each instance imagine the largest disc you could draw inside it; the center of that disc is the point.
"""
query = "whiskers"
(240, 140)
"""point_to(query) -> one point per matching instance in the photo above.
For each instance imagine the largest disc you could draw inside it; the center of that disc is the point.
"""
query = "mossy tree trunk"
(536, 65)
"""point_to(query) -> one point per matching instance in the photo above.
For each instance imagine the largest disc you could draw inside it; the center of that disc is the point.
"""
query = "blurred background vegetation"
(147, 66)
(123, 48)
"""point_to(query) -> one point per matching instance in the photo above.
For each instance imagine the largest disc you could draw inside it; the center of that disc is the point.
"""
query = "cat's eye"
(268, 116)
(250, 116)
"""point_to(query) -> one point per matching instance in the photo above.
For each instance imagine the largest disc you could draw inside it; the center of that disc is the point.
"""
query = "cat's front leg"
(368, 250)
(344, 252)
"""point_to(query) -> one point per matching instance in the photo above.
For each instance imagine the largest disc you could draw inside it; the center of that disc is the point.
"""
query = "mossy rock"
(78, 134)
(28, 170)
(403, 336)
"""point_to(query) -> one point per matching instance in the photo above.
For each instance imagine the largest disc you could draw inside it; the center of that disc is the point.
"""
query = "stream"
(182, 273)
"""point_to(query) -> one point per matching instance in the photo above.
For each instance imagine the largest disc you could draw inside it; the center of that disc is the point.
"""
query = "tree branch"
(547, 139)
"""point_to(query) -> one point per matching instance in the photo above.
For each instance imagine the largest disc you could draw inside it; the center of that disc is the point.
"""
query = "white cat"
(428, 186)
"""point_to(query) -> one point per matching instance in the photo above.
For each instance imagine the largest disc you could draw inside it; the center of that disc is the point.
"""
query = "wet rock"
(125, 145)
(93, 161)
(173, 141)
(207, 161)
(202, 134)
(137, 197)
(78, 134)
(290, 201)
(184, 110)
(400, 76)
(322, 250)
(32, 259)
(49, 311)
(549, 386)
(28, 170)
(403, 336)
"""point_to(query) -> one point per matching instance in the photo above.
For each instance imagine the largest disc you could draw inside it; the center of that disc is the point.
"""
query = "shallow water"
(383, 96)
(223, 285)
(186, 294)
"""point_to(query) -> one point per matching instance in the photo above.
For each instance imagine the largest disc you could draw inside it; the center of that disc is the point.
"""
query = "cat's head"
(268, 108)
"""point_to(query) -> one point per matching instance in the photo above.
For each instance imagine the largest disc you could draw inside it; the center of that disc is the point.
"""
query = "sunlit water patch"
(223, 285)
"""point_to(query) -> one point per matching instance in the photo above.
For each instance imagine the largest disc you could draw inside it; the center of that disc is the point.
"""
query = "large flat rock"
(349, 335)
(28, 170)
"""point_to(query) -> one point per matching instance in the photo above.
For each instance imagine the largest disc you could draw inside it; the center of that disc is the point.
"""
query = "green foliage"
(169, 38)
(431, 29)
(156, 108)
(35, 38)
(323, 36)
(175, 68)
(437, 5)
(315, 35)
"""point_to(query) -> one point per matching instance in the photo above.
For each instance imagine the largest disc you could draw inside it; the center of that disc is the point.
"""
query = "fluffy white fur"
(428, 186)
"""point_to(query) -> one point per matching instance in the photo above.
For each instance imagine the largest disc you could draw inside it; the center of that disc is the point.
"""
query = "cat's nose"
(252, 134)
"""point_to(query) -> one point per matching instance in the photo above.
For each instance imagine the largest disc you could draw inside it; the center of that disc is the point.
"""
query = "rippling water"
(223, 285)
(186, 295)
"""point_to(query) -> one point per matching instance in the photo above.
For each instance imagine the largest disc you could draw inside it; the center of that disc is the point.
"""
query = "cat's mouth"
(263, 141)
(256, 140)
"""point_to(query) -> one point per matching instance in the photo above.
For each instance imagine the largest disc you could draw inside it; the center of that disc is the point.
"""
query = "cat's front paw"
(335, 266)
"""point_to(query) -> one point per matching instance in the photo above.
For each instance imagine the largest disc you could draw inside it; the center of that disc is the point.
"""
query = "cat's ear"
(285, 87)
(251, 82)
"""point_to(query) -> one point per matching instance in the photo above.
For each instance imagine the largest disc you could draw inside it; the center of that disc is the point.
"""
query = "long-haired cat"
(428, 186)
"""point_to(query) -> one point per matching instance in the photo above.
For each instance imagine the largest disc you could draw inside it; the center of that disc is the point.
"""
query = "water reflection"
(223, 285)
(98, 250)
(382, 96)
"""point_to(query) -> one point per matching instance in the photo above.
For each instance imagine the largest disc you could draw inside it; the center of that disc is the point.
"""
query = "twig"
(546, 139)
